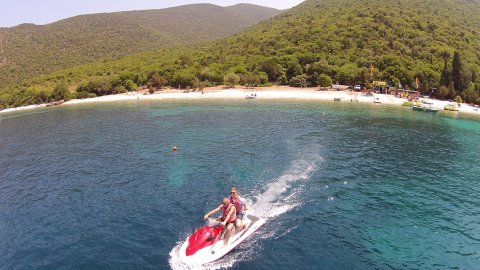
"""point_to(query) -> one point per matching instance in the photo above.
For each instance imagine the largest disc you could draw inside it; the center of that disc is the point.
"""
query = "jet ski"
(206, 245)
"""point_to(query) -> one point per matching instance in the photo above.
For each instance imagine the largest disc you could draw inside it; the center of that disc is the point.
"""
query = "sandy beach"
(286, 93)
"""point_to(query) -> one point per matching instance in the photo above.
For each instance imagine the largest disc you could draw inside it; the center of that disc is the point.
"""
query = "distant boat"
(252, 96)
(376, 100)
(424, 108)
(337, 99)
(451, 107)
(431, 109)
(418, 108)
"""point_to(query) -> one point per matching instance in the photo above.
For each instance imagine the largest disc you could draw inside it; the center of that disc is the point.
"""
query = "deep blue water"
(343, 186)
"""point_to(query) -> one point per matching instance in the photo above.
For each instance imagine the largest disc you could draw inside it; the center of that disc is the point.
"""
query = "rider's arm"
(213, 212)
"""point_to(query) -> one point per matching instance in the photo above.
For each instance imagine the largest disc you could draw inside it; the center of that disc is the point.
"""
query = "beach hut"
(380, 87)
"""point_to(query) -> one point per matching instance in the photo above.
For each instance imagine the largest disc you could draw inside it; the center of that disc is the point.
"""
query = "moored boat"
(418, 108)
(424, 108)
(451, 107)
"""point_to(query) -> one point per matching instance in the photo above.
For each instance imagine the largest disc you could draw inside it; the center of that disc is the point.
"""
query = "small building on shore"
(380, 87)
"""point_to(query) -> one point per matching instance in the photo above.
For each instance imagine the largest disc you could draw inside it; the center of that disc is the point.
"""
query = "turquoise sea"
(342, 186)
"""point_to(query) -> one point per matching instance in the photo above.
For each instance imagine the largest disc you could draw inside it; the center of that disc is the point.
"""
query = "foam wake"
(280, 196)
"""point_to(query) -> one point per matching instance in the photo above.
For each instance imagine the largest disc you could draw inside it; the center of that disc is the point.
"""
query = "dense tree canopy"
(31, 50)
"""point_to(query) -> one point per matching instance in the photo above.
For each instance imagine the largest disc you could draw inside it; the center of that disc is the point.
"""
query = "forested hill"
(404, 40)
(420, 44)
(30, 50)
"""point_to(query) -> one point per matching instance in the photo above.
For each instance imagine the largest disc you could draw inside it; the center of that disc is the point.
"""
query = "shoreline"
(262, 93)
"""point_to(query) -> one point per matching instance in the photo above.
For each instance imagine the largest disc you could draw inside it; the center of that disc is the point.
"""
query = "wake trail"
(280, 196)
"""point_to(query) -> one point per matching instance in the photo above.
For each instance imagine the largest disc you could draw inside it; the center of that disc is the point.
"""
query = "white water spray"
(279, 196)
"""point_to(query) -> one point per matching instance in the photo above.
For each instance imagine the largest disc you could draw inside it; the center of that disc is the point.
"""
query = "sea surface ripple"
(342, 186)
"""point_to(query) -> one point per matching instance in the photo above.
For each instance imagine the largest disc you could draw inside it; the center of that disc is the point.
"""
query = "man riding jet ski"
(228, 217)
(205, 245)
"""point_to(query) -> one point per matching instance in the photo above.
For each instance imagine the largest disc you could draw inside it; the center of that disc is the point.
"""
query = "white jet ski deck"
(206, 245)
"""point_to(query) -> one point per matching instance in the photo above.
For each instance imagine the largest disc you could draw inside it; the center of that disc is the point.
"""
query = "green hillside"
(31, 50)
(417, 43)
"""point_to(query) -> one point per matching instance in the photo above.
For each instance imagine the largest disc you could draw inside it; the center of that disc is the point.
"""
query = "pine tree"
(457, 72)
(446, 76)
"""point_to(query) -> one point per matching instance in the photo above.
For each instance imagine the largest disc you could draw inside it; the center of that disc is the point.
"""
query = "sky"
(15, 12)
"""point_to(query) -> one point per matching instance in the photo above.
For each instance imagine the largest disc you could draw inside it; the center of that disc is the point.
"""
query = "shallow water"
(342, 186)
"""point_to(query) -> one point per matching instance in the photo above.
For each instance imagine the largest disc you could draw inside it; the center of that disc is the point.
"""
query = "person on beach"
(240, 207)
(227, 218)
